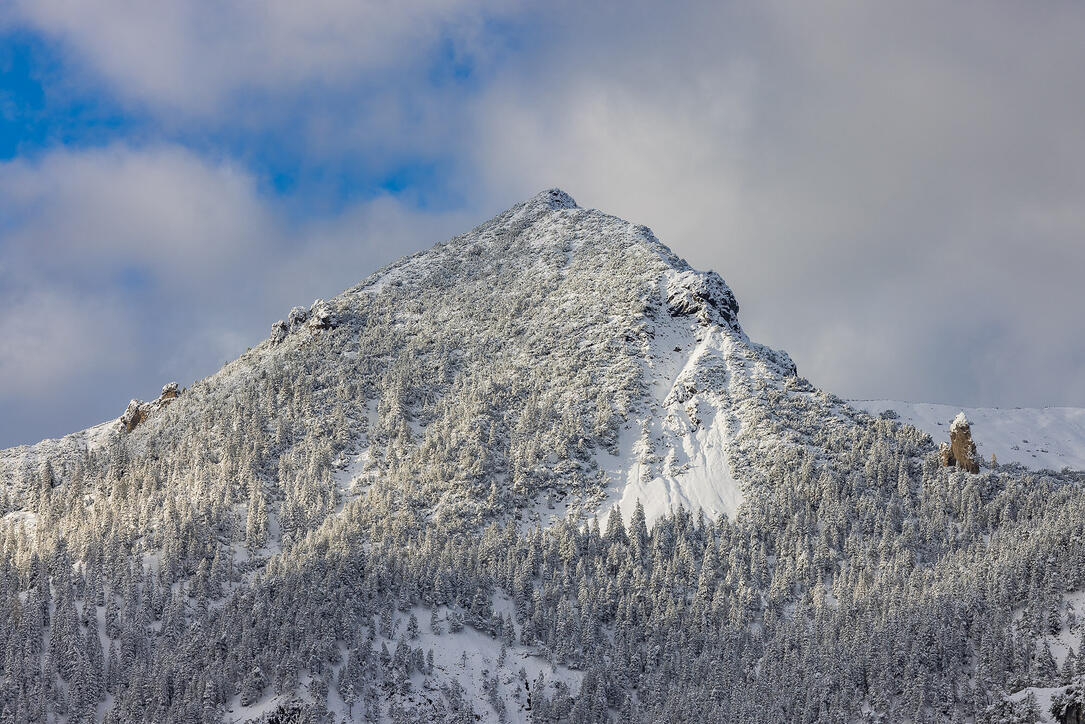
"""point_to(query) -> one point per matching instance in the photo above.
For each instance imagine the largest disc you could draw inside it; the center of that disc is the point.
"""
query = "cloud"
(162, 207)
(194, 56)
(893, 191)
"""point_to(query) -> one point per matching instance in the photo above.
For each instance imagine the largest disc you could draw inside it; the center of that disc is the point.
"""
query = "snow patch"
(676, 454)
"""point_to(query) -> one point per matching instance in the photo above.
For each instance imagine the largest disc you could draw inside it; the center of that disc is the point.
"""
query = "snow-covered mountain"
(402, 506)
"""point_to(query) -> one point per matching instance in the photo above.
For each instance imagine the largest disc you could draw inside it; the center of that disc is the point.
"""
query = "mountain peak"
(553, 198)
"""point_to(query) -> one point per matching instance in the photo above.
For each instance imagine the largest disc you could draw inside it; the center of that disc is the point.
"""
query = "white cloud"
(191, 56)
(163, 207)
(45, 333)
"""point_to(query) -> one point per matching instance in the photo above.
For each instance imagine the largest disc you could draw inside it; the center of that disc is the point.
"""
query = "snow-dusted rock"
(133, 415)
(297, 317)
(1039, 438)
(279, 331)
(961, 450)
(138, 411)
(320, 316)
(703, 294)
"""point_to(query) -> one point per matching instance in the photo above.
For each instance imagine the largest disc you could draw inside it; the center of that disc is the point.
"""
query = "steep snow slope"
(1040, 438)
(675, 451)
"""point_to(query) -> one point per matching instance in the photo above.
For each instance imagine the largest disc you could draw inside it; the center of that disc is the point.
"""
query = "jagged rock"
(133, 415)
(297, 317)
(138, 411)
(961, 450)
(320, 317)
(316, 318)
(703, 294)
(279, 331)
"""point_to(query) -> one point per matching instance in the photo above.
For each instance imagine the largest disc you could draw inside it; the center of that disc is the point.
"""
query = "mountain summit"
(551, 438)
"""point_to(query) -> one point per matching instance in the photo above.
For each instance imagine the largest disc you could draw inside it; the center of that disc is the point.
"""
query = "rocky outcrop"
(961, 450)
(1073, 713)
(320, 317)
(316, 318)
(137, 411)
(133, 416)
(703, 294)
(1068, 706)
(279, 330)
(297, 317)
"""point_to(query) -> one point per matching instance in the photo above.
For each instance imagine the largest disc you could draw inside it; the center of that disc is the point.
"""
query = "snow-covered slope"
(636, 360)
(1039, 438)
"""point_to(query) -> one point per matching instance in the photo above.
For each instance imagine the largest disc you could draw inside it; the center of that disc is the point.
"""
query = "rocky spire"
(961, 450)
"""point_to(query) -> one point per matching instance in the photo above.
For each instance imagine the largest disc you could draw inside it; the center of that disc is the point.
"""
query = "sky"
(895, 191)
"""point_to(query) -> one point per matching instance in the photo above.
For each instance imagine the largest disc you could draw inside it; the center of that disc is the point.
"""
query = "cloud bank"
(893, 191)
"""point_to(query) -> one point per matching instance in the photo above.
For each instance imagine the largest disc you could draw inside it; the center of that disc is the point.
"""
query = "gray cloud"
(894, 191)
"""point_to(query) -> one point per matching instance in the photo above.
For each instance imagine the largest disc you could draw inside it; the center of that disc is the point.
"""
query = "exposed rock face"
(279, 331)
(133, 415)
(320, 317)
(1073, 714)
(1068, 706)
(138, 411)
(961, 450)
(707, 297)
(317, 317)
(703, 294)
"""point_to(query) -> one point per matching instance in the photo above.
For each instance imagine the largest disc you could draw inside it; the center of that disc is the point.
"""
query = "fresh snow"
(677, 454)
(1039, 438)
(18, 463)
(1043, 700)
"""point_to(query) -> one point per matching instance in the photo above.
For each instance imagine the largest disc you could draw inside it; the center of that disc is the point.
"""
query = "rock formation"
(138, 411)
(297, 317)
(133, 415)
(1068, 706)
(961, 450)
(704, 295)
(279, 331)
(320, 317)
(316, 318)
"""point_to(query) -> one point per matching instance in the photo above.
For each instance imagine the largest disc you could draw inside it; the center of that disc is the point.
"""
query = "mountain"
(535, 473)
